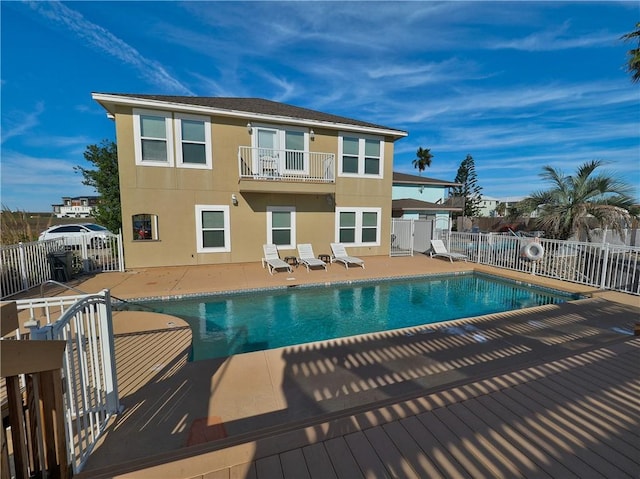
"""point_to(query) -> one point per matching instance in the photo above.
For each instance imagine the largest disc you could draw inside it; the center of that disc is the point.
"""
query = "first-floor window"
(358, 226)
(212, 229)
(281, 226)
(145, 227)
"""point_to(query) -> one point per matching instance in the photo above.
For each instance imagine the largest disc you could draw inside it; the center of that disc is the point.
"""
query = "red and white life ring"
(533, 251)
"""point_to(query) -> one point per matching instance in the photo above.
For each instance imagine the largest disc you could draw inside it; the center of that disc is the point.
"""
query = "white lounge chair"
(340, 254)
(307, 258)
(439, 249)
(272, 259)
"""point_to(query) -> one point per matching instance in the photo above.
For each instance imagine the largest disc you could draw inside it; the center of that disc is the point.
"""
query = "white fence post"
(23, 266)
(605, 263)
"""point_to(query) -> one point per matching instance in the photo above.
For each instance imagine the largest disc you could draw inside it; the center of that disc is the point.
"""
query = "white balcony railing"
(286, 165)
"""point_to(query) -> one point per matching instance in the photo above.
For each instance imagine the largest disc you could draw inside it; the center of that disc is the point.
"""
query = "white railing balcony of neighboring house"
(286, 165)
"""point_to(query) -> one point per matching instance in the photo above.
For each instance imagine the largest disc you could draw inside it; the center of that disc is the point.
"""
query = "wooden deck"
(567, 405)
(575, 417)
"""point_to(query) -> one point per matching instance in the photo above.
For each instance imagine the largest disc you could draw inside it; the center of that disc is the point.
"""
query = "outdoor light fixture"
(249, 128)
(234, 200)
(312, 135)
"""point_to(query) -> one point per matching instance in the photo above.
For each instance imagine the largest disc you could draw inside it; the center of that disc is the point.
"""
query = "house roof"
(258, 108)
(410, 204)
(405, 179)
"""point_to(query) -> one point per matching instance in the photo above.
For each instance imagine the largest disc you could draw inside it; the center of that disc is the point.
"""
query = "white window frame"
(361, 155)
(358, 227)
(290, 209)
(227, 229)
(178, 117)
(137, 136)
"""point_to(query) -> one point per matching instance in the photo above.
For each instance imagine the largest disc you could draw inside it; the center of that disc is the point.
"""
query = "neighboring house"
(488, 206)
(77, 207)
(210, 180)
(426, 198)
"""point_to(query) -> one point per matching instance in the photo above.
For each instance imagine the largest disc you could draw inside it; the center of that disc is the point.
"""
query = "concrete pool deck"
(175, 409)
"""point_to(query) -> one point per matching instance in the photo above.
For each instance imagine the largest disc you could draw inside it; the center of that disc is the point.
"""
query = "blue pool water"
(231, 324)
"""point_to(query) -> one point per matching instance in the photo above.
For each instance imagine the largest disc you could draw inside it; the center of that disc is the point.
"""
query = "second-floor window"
(193, 135)
(360, 156)
(156, 132)
(153, 137)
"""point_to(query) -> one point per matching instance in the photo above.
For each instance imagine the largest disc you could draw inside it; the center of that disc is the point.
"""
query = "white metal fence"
(25, 265)
(606, 266)
(89, 370)
(410, 235)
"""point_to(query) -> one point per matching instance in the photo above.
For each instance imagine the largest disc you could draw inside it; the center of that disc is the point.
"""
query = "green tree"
(633, 62)
(575, 202)
(501, 208)
(423, 159)
(106, 182)
(469, 190)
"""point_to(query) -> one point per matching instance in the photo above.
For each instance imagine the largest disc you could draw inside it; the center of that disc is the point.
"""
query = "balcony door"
(267, 152)
(280, 152)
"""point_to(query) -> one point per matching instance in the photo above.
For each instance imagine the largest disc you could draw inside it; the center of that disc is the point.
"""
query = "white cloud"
(101, 39)
(20, 123)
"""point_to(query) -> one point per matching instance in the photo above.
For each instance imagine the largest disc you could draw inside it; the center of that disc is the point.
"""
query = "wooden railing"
(33, 431)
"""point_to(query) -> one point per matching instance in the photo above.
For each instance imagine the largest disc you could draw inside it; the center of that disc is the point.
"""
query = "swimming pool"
(229, 324)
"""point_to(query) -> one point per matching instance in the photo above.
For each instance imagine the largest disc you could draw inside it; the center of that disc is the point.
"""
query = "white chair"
(340, 254)
(439, 249)
(307, 258)
(272, 259)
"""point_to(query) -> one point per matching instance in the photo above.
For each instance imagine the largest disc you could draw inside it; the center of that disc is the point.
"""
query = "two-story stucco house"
(210, 180)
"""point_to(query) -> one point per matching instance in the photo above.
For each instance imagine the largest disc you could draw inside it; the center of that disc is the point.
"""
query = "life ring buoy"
(533, 251)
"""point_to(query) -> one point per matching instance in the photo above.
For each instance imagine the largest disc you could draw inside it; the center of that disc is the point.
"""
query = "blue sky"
(517, 85)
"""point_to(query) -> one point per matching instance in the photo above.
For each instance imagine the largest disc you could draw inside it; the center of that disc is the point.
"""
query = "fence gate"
(401, 237)
(422, 235)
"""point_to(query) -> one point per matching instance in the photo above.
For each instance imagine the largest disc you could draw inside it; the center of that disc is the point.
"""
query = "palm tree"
(423, 159)
(633, 61)
(573, 201)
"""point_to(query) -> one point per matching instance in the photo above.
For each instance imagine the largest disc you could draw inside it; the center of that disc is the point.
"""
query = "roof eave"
(108, 102)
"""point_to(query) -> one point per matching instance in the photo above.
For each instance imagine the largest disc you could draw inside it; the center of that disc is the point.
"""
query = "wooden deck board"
(318, 462)
(365, 455)
(445, 462)
(342, 459)
(533, 419)
(550, 458)
(493, 444)
(598, 429)
(532, 459)
(294, 465)
(269, 468)
(389, 454)
(605, 457)
(415, 456)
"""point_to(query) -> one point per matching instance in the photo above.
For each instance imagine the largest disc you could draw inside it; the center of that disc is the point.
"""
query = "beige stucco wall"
(171, 193)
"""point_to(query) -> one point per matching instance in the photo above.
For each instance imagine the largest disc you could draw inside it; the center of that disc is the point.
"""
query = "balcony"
(286, 171)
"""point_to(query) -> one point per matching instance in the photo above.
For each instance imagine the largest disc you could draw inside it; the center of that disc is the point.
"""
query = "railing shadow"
(335, 393)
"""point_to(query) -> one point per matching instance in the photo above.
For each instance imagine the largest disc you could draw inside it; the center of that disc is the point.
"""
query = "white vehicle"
(95, 235)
